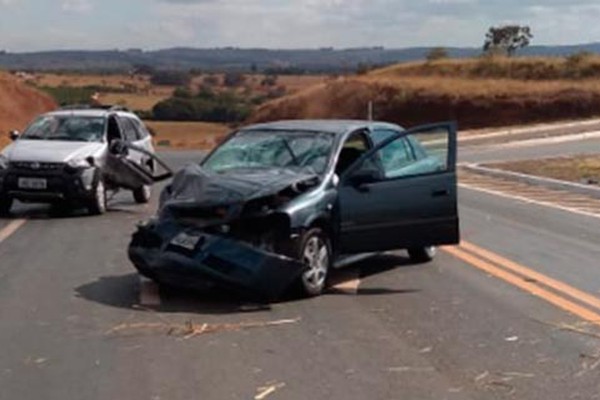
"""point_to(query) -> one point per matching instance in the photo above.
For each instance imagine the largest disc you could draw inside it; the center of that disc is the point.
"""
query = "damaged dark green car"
(278, 205)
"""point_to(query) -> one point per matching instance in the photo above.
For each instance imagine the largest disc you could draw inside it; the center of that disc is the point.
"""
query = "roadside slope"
(19, 103)
(409, 96)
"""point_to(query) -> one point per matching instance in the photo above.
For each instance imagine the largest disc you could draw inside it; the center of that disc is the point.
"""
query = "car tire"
(5, 205)
(97, 205)
(422, 254)
(314, 249)
(142, 195)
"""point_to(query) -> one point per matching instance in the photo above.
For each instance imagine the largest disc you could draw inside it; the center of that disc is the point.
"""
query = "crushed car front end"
(227, 232)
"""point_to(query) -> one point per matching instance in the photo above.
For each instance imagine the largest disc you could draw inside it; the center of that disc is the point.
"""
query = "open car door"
(402, 193)
(124, 169)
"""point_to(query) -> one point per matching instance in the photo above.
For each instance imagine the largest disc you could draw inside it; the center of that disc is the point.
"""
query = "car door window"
(354, 147)
(140, 129)
(129, 130)
(410, 155)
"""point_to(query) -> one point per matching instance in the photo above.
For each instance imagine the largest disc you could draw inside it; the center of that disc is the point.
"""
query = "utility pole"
(370, 110)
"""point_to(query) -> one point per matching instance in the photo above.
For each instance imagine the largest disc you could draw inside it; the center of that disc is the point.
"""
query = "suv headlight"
(79, 163)
(3, 162)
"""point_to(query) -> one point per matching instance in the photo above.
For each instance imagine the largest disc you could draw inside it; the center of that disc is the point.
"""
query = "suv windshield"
(67, 127)
(268, 149)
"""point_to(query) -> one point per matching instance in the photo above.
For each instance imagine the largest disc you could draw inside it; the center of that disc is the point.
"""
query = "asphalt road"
(76, 323)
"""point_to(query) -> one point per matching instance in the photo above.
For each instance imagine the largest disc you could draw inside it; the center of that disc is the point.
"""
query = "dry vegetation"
(19, 104)
(580, 169)
(478, 93)
(187, 135)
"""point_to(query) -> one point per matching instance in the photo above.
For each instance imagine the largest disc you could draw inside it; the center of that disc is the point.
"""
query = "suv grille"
(36, 166)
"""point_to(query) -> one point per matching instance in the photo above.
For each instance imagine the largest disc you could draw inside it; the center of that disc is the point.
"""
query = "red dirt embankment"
(19, 104)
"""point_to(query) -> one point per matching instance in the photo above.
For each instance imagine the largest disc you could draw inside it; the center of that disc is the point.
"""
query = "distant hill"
(309, 60)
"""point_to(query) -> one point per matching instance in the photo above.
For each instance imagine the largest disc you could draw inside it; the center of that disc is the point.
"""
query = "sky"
(34, 25)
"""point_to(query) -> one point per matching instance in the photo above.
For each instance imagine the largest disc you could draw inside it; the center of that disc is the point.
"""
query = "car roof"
(90, 113)
(335, 126)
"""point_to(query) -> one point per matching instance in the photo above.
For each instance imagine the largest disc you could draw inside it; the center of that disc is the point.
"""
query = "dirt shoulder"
(579, 169)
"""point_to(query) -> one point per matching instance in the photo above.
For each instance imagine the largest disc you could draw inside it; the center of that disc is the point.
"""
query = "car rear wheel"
(422, 254)
(5, 205)
(315, 252)
(142, 195)
(97, 204)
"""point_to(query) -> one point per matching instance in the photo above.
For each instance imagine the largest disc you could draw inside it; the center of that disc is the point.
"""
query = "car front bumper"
(215, 261)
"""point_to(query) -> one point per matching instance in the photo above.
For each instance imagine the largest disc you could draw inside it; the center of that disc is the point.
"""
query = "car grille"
(36, 166)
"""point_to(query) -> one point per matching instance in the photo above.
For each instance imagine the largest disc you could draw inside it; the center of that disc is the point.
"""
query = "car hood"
(50, 151)
(195, 187)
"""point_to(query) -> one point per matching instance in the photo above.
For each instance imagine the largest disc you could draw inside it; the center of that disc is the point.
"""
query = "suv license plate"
(186, 241)
(33, 183)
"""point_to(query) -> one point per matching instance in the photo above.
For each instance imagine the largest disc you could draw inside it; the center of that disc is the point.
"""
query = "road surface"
(511, 314)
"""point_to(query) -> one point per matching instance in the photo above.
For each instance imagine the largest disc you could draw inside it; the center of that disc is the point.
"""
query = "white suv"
(75, 155)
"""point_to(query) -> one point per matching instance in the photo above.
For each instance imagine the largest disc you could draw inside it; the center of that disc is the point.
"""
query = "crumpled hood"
(195, 187)
(54, 151)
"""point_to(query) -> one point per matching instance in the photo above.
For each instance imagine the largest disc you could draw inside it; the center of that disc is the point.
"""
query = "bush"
(206, 106)
(234, 79)
(435, 54)
(170, 78)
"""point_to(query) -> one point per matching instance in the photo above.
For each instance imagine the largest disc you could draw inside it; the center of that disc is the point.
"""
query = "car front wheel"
(97, 205)
(142, 195)
(5, 205)
(315, 252)
(422, 254)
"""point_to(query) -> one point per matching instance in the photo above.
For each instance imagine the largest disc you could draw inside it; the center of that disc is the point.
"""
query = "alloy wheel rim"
(316, 257)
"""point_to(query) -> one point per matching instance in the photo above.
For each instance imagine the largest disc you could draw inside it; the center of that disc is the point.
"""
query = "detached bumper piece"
(192, 259)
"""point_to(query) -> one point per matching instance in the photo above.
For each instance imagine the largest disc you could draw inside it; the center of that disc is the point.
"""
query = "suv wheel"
(314, 250)
(142, 195)
(97, 205)
(422, 254)
(5, 205)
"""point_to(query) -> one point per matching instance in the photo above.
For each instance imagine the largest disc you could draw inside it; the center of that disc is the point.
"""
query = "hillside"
(19, 104)
(222, 59)
(477, 93)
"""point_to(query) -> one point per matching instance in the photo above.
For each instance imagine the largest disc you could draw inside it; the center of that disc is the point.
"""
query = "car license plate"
(186, 241)
(33, 183)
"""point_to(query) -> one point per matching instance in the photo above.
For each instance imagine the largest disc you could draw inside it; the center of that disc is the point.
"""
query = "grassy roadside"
(580, 169)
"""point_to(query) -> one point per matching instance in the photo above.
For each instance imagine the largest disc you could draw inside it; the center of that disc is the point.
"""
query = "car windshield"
(267, 149)
(68, 127)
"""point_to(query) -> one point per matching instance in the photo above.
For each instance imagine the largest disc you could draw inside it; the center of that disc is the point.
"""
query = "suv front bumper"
(62, 184)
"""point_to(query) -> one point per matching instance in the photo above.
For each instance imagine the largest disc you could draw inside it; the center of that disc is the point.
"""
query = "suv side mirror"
(14, 135)
(117, 147)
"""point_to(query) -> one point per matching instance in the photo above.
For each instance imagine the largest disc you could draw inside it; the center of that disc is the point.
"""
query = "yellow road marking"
(528, 286)
(11, 228)
(529, 273)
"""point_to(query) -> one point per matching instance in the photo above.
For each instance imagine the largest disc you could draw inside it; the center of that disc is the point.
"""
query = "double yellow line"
(558, 293)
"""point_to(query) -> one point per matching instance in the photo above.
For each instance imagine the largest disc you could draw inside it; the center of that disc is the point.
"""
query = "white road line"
(11, 228)
(530, 201)
(149, 292)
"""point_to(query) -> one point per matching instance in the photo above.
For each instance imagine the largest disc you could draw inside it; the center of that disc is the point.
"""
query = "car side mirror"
(117, 147)
(14, 135)
(363, 177)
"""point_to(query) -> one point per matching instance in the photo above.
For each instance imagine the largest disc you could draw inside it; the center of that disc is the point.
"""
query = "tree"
(508, 39)
(437, 53)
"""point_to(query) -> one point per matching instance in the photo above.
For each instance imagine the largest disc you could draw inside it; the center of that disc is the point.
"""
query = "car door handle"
(440, 193)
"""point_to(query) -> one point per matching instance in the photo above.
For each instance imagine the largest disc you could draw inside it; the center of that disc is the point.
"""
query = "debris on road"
(190, 329)
(265, 391)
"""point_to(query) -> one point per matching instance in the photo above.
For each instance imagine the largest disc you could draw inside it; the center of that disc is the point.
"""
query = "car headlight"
(3, 162)
(79, 163)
